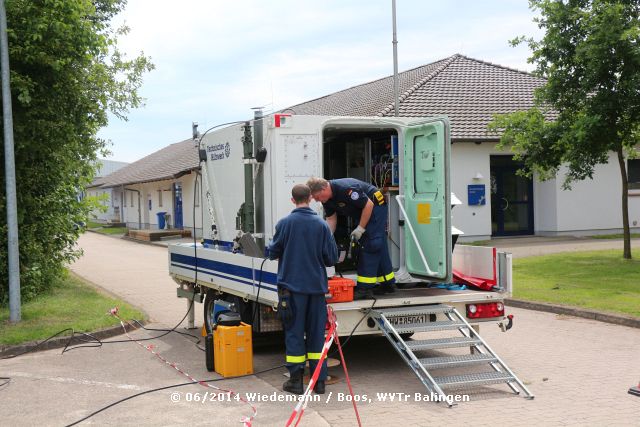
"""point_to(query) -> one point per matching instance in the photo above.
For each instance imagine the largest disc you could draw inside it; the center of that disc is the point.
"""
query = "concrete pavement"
(579, 370)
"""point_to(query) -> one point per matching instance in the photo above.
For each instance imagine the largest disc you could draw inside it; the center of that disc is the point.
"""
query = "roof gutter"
(164, 178)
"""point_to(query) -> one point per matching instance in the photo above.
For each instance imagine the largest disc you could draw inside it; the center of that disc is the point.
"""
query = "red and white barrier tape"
(245, 420)
(298, 411)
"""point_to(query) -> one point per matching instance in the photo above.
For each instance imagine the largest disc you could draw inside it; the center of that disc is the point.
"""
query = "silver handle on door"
(507, 204)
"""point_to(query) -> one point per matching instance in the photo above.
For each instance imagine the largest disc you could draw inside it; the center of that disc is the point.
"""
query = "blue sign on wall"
(476, 194)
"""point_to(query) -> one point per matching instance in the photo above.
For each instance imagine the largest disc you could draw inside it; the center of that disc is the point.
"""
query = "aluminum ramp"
(439, 317)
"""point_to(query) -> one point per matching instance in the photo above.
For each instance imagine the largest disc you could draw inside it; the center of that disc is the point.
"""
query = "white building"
(162, 182)
(495, 201)
(109, 197)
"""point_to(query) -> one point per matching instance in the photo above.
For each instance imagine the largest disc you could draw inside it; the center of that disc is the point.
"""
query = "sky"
(215, 60)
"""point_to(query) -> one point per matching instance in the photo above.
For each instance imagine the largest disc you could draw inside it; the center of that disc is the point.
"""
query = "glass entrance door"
(511, 199)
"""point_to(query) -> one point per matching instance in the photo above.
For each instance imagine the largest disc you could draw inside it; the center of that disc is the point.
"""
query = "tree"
(66, 75)
(590, 104)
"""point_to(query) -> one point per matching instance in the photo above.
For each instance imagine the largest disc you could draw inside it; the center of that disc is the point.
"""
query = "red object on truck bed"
(476, 282)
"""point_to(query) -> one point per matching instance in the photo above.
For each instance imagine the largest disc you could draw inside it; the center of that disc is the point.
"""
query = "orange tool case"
(340, 290)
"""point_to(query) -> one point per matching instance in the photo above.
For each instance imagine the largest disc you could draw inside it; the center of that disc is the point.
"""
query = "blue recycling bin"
(161, 223)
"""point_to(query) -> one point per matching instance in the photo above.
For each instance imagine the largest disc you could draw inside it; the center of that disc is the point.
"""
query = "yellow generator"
(233, 350)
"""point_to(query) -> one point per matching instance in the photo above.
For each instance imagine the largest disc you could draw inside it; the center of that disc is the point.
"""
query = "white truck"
(248, 170)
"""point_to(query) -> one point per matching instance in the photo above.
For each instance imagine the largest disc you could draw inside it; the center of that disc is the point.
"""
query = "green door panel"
(427, 199)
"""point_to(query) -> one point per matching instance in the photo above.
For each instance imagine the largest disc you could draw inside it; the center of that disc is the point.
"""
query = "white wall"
(188, 186)
(591, 206)
(467, 160)
(111, 204)
(149, 191)
(595, 204)
(545, 207)
(131, 209)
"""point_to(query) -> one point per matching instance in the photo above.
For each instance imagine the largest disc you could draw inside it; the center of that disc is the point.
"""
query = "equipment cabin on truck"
(248, 170)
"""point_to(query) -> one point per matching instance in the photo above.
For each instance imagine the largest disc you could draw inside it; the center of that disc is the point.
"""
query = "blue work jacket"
(350, 196)
(304, 246)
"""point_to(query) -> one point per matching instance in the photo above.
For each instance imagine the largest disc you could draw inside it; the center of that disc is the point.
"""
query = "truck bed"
(242, 276)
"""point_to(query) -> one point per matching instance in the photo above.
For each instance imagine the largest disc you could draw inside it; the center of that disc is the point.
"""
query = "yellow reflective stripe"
(296, 359)
(378, 195)
(366, 279)
(386, 278)
(314, 356)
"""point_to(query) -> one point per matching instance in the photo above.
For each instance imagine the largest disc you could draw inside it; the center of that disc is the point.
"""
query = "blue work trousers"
(304, 333)
(374, 262)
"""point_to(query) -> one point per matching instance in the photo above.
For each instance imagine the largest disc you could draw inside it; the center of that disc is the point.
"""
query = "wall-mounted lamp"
(478, 176)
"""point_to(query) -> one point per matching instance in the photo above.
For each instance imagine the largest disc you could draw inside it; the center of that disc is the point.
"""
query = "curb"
(616, 319)
(58, 342)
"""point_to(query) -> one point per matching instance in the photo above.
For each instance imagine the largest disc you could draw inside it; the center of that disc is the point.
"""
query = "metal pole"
(10, 175)
(248, 225)
(259, 177)
(395, 59)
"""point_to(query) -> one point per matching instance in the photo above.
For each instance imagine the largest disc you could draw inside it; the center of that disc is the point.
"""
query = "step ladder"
(440, 317)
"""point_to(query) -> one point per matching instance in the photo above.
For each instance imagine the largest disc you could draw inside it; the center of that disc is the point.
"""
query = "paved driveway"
(579, 370)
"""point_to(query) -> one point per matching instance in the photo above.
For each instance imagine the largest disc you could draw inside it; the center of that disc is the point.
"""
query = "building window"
(633, 173)
(159, 198)
(131, 192)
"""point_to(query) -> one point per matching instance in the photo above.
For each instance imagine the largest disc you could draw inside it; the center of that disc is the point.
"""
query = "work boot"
(362, 293)
(385, 289)
(294, 384)
(319, 387)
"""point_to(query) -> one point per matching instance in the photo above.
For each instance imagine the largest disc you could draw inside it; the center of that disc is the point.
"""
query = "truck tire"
(208, 310)
(208, 351)
(244, 308)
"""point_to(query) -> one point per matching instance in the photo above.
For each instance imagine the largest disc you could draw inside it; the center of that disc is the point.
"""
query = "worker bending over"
(366, 205)
(304, 246)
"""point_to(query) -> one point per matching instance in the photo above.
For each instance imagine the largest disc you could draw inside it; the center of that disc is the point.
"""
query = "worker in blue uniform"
(366, 205)
(304, 247)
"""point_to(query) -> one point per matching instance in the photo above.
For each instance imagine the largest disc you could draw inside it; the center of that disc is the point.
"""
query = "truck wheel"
(208, 311)
(208, 351)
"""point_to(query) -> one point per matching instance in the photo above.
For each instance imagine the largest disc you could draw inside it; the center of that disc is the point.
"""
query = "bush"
(66, 75)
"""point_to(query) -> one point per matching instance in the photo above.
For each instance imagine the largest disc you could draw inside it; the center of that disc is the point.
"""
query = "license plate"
(405, 320)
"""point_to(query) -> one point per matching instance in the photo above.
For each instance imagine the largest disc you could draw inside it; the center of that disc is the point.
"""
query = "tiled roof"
(466, 90)
(170, 162)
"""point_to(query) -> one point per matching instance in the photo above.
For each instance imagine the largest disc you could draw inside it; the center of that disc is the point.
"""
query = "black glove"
(285, 307)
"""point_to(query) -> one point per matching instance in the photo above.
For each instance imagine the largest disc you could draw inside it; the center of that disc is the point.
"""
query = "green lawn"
(598, 280)
(71, 304)
(105, 229)
(113, 230)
